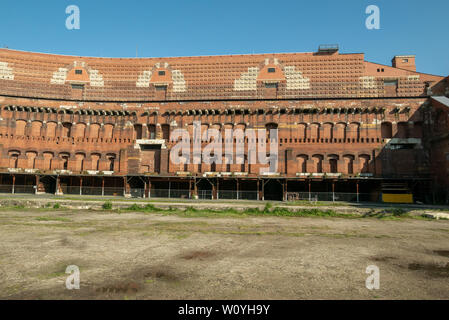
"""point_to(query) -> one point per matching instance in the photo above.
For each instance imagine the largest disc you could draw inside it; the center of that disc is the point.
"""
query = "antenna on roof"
(136, 51)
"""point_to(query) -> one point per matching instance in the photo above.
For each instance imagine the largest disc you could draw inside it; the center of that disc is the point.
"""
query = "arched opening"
(66, 130)
(386, 130)
(79, 157)
(31, 157)
(80, 130)
(111, 162)
(302, 163)
(152, 131)
(318, 163)
(96, 161)
(269, 127)
(48, 159)
(20, 127)
(165, 131)
(349, 162)
(109, 130)
(36, 128)
(364, 163)
(94, 132)
(328, 129)
(137, 132)
(14, 159)
(65, 161)
(51, 130)
(333, 165)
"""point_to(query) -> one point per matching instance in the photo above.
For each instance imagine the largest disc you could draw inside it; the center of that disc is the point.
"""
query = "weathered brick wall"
(360, 136)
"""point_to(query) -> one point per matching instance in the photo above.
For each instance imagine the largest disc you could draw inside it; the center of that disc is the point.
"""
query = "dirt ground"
(154, 256)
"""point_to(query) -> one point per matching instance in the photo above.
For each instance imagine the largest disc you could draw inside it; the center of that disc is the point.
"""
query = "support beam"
(218, 189)
(310, 190)
(238, 189)
(258, 190)
(58, 187)
(36, 191)
(333, 191)
(13, 183)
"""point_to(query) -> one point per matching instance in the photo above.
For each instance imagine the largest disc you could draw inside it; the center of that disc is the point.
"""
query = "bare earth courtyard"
(157, 255)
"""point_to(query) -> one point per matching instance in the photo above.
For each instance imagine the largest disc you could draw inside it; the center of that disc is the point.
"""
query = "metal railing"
(17, 189)
(238, 195)
(186, 194)
(170, 193)
(93, 191)
(329, 196)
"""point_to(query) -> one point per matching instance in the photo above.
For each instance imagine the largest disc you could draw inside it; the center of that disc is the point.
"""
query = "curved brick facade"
(100, 125)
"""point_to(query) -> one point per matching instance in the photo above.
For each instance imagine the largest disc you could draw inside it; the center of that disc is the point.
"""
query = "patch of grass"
(107, 205)
(61, 219)
(266, 211)
(397, 212)
(56, 206)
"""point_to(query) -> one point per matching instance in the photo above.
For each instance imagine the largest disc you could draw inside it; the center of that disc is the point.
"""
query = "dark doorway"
(273, 190)
(204, 188)
(47, 185)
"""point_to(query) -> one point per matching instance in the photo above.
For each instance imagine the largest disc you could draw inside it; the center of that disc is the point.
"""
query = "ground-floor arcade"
(232, 188)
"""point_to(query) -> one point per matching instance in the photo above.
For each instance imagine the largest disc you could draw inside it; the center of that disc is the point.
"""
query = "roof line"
(168, 57)
(386, 65)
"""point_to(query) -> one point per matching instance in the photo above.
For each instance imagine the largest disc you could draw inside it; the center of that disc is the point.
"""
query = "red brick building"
(83, 125)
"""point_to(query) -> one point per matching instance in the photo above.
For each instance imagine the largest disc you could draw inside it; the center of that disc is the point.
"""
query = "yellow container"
(397, 198)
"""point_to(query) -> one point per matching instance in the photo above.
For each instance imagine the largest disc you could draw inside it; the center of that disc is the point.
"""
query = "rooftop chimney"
(404, 62)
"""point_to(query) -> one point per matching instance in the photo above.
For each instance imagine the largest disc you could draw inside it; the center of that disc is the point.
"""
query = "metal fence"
(93, 191)
(170, 193)
(17, 189)
(238, 195)
(205, 194)
(185, 193)
(329, 196)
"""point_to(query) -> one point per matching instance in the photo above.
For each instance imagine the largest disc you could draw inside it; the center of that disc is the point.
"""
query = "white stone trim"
(6, 72)
(248, 80)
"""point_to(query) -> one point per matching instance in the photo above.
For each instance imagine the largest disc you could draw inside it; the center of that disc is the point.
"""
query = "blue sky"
(209, 27)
